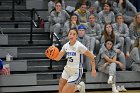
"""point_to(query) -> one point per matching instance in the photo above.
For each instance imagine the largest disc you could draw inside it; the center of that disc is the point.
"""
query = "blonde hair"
(135, 19)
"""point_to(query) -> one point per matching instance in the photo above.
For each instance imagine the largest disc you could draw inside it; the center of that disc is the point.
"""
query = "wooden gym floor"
(107, 91)
(129, 91)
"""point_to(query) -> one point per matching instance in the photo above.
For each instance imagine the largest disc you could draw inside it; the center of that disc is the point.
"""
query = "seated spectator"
(92, 10)
(127, 9)
(82, 13)
(80, 2)
(135, 55)
(122, 31)
(99, 5)
(109, 33)
(85, 40)
(106, 15)
(94, 30)
(134, 28)
(51, 4)
(57, 19)
(108, 63)
(72, 23)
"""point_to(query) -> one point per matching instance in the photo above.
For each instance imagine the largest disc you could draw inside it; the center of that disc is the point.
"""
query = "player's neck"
(72, 43)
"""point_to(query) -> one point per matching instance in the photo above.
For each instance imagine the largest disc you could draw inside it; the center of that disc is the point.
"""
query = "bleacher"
(30, 69)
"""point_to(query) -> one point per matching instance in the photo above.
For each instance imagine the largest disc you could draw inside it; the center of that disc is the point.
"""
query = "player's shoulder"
(80, 45)
(77, 43)
(66, 44)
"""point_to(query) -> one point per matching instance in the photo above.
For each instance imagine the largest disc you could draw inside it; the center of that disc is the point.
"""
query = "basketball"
(51, 52)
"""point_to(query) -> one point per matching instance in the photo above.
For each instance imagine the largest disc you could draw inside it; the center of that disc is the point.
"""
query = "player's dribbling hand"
(52, 46)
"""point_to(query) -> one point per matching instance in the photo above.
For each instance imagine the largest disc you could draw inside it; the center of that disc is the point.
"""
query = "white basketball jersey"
(73, 54)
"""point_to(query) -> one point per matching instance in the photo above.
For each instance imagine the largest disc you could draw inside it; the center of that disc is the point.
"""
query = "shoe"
(114, 90)
(119, 89)
(123, 89)
(82, 89)
(110, 80)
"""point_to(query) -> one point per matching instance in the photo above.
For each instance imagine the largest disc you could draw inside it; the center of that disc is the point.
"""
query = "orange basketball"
(51, 52)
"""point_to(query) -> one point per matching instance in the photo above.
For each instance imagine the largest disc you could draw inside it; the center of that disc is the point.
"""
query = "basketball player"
(72, 73)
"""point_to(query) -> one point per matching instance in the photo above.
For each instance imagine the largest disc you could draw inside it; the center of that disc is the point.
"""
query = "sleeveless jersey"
(73, 54)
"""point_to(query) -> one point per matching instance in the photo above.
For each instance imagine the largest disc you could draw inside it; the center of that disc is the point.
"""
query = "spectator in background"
(72, 23)
(94, 30)
(92, 10)
(109, 33)
(108, 63)
(51, 4)
(122, 31)
(99, 5)
(106, 15)
(82, 13)
(80, 2)
(87, 41)
(135, 55)
(58, 18)
(127, 9)
(134, 28)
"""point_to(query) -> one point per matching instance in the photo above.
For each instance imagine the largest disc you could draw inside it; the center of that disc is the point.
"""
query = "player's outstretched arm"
(93, 72)
(92, 61)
